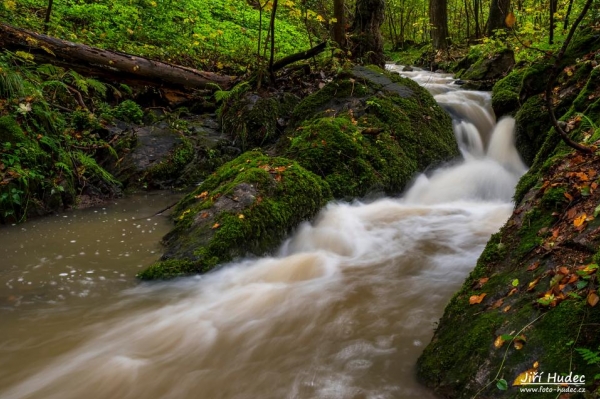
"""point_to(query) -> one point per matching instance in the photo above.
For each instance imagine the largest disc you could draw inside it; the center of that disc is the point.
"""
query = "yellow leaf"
(216, 225)
(24, 55)
(499, 342)
(525, 377)
(10, 5)
(241, 216)
(320, 18)
(476, 298)
(579, 220)
(510, 20)
(46, 49)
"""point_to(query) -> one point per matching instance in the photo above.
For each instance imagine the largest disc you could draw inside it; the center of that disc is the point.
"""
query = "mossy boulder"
(252, 120)
(246, 207)
(537, 278)
(505, 94)
(534, 285)
(352, 163)
(369, 130)
(487, 70)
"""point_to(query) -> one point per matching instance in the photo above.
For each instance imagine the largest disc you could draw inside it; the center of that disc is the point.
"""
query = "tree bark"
(303, 55)
(438, 18)
(498, 12)
(366, 32)
(339, 27)
(108, 64)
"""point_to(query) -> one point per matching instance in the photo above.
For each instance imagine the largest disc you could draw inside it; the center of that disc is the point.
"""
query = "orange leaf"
(568, 196)
(512, 291)
(498, 303)
(216, 225)
(593, 299)
(533, 266)
(204, 194)
(506, 308)
(563, 270)
(579, 220)
(510, 20)
(476, 298)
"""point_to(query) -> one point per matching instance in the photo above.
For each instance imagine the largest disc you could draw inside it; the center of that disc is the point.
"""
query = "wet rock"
(246, 207)
(407, 68)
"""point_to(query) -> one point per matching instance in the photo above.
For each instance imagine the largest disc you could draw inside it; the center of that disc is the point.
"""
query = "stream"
(343, 310)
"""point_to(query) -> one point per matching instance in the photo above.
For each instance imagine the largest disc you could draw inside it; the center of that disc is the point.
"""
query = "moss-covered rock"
(505, 94)
(487, 70)
(538, 273)
(369, 130)
(252, 120)
(246, 207)
(353, 163)
(531, 273)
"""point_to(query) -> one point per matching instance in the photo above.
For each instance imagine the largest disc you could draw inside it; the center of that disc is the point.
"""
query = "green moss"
(352, 163)
(246, 207)
(170, 167)
(252, 120)
(313, 105)
(593, 83)
(505, 94)
(533, 122)
(10, 131)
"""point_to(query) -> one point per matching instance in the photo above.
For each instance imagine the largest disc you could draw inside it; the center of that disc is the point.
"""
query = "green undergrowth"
(246, 207)
(50, 143)
(222, 34)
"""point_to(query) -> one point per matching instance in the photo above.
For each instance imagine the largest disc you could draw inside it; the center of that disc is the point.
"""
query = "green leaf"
(507, 337)
(597, 211)
(581, 284)
(515, 282)
(502, 384)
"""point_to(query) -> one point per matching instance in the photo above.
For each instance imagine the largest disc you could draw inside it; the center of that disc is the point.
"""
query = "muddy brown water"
(342, 310)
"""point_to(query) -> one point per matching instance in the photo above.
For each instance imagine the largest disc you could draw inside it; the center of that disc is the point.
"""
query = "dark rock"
(407, 68)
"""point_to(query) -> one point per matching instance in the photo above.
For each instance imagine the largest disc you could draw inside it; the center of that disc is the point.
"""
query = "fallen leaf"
(499, 342)
(593, 299)
(506, 308)
(203, 194)
(216, 225)
(512, 291)
(578, 222)
(240, 216)
(532, 284)
(525, 377)
(568, 196)
(533, 266)
(563, 270)
(498, 303)
(474, 299)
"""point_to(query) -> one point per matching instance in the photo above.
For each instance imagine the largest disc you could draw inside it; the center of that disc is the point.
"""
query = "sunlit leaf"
(579, 220)
(593, 299)
(510, 20)
(475, 299)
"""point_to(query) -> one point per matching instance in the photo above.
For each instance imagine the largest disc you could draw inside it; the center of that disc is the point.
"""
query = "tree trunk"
(438, 18)
(498, 12)
(108, 64)
(553, 7)
(339, 27)
(366, 32)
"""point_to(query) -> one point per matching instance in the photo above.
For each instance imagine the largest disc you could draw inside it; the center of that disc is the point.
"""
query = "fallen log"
(303, 55)
(106, 63)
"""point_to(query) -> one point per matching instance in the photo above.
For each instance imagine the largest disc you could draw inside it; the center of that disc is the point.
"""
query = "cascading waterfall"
(342, 311)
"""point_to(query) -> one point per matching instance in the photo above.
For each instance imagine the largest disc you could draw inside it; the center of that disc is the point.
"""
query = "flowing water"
(342, 311)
